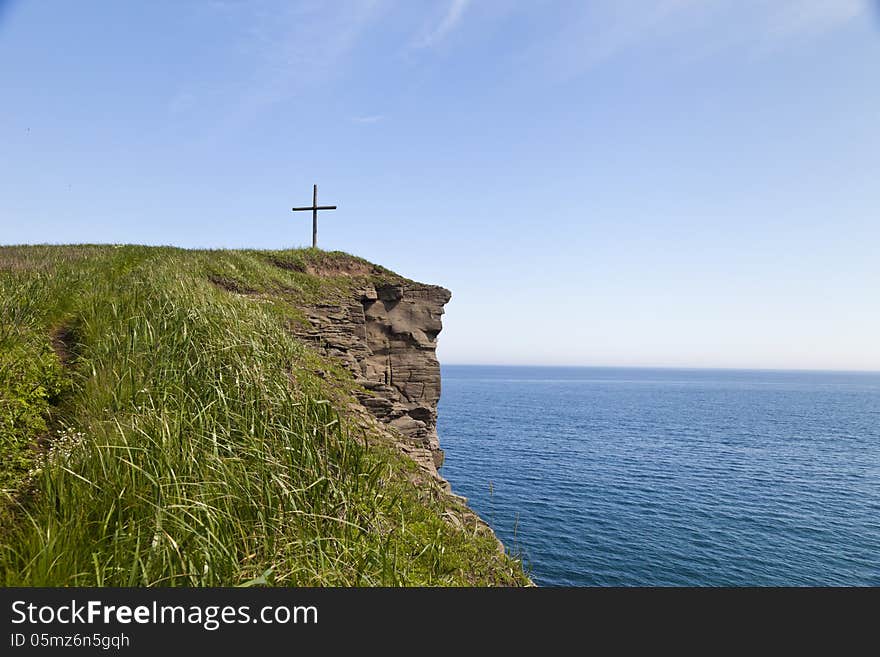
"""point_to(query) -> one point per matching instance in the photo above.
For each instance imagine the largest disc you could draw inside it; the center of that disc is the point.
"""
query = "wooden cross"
(314, 207)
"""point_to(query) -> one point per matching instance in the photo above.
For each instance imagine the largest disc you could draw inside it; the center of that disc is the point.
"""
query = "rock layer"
(386, 335)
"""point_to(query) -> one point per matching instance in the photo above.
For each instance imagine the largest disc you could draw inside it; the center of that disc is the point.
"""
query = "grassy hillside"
(159, 425)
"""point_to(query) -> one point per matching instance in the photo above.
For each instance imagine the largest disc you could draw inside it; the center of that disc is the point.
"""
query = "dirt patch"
(288, 266)
(62, 340)
(231, 285)
(330, 268)
(347, 269)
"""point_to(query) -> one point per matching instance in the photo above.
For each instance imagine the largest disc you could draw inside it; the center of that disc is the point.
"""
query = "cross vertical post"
(314, 207)
(315, 216)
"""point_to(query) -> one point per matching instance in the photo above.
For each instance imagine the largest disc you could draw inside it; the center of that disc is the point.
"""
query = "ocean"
(653, 477)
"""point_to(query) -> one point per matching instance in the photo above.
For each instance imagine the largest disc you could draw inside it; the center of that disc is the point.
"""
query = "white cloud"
(450, 20)
(285, 48)
(309, 41)
(808, 17)
(606, 29)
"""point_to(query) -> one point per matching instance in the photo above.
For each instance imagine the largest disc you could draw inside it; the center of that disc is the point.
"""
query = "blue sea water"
(602, 476)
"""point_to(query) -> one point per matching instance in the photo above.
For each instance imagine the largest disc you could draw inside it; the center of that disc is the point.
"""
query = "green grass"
(191, 442)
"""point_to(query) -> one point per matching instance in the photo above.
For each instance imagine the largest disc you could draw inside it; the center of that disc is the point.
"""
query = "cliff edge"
(386, 335)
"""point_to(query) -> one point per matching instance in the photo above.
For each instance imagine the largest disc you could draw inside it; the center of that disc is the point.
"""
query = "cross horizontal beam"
(314, 207)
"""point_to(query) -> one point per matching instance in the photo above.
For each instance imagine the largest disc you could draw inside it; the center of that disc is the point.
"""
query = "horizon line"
(803, 370)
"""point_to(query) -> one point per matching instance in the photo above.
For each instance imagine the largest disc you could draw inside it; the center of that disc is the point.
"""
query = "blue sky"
(608, 182)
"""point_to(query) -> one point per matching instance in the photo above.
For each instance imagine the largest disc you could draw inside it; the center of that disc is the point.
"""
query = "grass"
(191, 443)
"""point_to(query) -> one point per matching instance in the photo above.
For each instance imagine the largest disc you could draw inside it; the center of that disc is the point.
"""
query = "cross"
(314, 207)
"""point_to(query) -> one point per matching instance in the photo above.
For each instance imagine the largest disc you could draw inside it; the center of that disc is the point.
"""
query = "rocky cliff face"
(386, 334)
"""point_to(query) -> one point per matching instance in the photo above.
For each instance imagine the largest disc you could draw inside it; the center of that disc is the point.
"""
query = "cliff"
(217, 418)
(386, 335)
